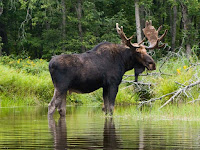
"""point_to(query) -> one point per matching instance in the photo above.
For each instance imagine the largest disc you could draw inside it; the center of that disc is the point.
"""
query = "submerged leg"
(58, 101)
(52, 106)
(62, 107)
(109, 95)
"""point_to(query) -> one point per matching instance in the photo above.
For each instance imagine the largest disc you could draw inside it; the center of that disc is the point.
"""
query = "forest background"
(43, 28)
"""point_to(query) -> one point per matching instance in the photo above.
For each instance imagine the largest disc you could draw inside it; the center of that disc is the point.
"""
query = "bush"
(26, 65)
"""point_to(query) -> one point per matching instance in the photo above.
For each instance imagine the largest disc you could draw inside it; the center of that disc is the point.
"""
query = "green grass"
(25, 82)
(186, 112)
(19, 88)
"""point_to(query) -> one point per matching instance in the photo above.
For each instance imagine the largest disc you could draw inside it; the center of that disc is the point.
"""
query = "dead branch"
(21, 32)
(192, 65)
(149, 74)
(180, 91)
(172, 98)
(137, 83)
(179, 83)
(154, 99)
(175, 94)
(193, 101)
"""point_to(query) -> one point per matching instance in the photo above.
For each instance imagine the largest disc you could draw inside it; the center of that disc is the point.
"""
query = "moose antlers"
(150, 33)
(125, 40)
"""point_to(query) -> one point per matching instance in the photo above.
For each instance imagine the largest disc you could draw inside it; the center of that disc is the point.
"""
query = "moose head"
(139, 49)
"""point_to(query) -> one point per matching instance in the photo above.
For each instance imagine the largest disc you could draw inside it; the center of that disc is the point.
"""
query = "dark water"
(88, 128)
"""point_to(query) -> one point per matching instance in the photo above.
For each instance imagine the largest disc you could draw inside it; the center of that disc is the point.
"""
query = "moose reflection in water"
(59, 132)
(110, 140)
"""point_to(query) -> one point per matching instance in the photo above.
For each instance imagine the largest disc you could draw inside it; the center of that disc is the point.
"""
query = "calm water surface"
(88, 128)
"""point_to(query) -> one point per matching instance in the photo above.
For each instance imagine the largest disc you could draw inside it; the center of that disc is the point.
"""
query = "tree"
(42, 28)
(137, 19)
(186, 25)
(79, 15)
(63, 22)
(174, 20)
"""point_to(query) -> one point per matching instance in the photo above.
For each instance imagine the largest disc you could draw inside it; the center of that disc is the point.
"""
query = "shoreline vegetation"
(26, 82)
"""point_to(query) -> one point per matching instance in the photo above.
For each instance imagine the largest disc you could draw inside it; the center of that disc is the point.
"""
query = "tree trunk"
(137, 19)
(186, 23)
(4, 39)
(174, 26)
(1, 10)
(79, 15)
(63, 23)
(142, 21)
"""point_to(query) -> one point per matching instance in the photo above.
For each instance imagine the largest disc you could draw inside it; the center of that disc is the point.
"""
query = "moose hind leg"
(58, 101)
(109, 95)
(52, 106)
(62, 106)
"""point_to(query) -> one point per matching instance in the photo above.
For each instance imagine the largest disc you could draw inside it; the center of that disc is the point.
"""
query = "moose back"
(101, 67)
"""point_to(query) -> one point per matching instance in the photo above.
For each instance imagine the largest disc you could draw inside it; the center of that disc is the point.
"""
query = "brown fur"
(101, 67)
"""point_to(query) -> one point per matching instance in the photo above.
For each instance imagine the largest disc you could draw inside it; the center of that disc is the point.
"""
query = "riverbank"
(25, 82)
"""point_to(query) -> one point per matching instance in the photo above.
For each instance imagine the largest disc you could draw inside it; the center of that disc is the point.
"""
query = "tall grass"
(28, 82)
(19, 88)
(185, 112)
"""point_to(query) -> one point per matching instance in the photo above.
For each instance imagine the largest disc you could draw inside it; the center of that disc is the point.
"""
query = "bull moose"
(103, 66)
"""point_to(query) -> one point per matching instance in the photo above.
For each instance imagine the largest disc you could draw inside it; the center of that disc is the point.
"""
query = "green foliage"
(19, 88)
(27, 82)
(126, 97)
(1, 44)
(25, 65)
(35, 27)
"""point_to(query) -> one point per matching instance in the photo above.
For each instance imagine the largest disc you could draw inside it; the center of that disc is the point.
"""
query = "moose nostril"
(152, 67)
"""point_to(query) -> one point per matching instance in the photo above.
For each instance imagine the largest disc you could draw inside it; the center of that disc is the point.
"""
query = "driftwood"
(174, 94)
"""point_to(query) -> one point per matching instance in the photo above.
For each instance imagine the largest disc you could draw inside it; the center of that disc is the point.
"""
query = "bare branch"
(180, 83)
(154, 99)
(137, 83)
(21, 32)
(175, 94)
(172, 98)
(192, 65)
(194, 101)
(180, 91)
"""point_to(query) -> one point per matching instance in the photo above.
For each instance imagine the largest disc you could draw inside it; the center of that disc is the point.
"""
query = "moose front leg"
(109, 95)
(136, 77)
(138, 70)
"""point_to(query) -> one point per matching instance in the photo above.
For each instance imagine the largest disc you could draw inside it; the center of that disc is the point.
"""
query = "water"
(88, 128)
